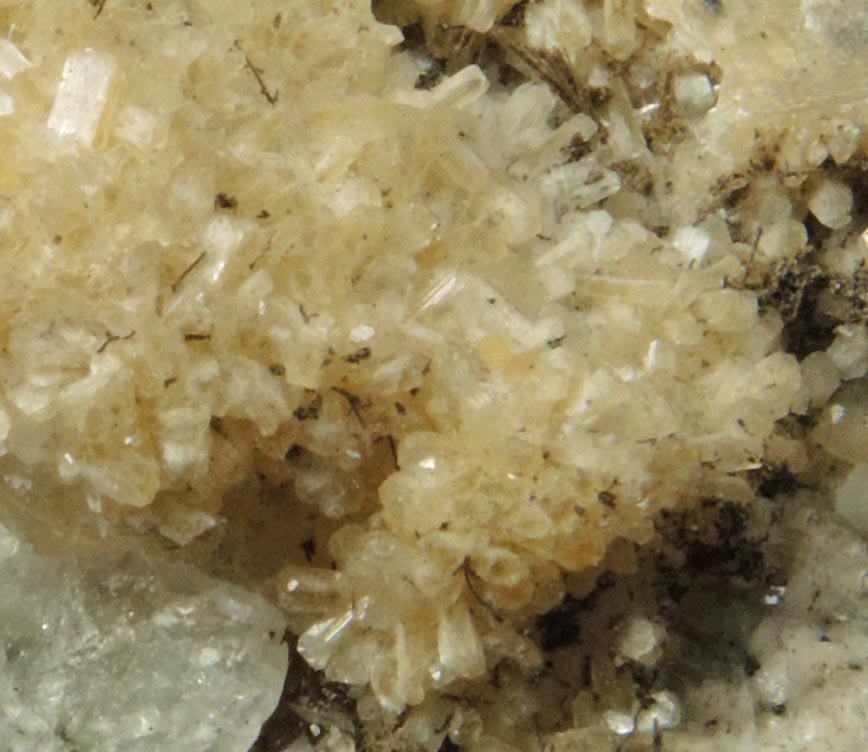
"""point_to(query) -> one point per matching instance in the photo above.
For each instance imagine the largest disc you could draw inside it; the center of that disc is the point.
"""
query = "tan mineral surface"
(515, 351)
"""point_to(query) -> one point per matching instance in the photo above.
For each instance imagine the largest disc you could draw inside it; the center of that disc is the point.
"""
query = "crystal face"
(81, 96)
(127, 653)
(485, 338)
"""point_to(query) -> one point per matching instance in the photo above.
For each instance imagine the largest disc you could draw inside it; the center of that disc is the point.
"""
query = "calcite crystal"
(130, 654)
(427, 318)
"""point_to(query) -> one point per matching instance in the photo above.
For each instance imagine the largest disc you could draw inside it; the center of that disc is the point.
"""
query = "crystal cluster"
(426, 318)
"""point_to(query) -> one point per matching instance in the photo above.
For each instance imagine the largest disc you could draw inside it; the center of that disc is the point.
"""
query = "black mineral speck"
(225, 201)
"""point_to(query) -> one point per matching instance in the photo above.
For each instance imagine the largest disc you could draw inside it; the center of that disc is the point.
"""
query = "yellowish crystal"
(419, 342)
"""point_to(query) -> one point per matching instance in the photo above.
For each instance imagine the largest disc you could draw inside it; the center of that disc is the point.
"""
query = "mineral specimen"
(482, 336)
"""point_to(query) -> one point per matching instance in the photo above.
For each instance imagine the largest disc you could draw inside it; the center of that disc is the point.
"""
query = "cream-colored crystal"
(851, 500)
(554, 24)
(82, 95)
(849, 351)
(431, 338)
(12, 60)
(831, 203)
(694, 93)
(641, 641)
(137, 126)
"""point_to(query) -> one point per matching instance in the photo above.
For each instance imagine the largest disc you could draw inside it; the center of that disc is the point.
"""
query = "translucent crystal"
(693, 242)
(831, 203)
(439, 325)
(782, 239)
(851, 498)
(620, 723)
(694, 94)
(82, 95)
(459, 90)
(583, 184)
(772, 680)
(664, 713)
(318, 643)
(555, 24)
(138, 126)
(308, 590)
(641, 641)
(12, 61)
(458, 645)
(126, 653)
(849, 351)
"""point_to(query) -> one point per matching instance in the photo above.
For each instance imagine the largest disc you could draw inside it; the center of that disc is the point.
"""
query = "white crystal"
(137, 126)
(641, 641)
(308, 590)
(849, 351)
(458, 644)
(694, 93)
(220, 238)
(782, 239)
(7, 105)
(362, 333)
(693, 242)
(665, 713)
(317, 644)
(772, 680)
(90, 658)
(189, 442)
(775, 595)
(582, 184)
(555, 25)
(5, 425)
(445, 285)
(81, 96)
(9, 544)
(460, 90)
(831, 203)
(12, 61)
(619, 723)
(851, 499)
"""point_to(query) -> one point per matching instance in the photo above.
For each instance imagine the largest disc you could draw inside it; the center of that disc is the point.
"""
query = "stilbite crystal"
(478, 333)
(12, 61)
(82, 95)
